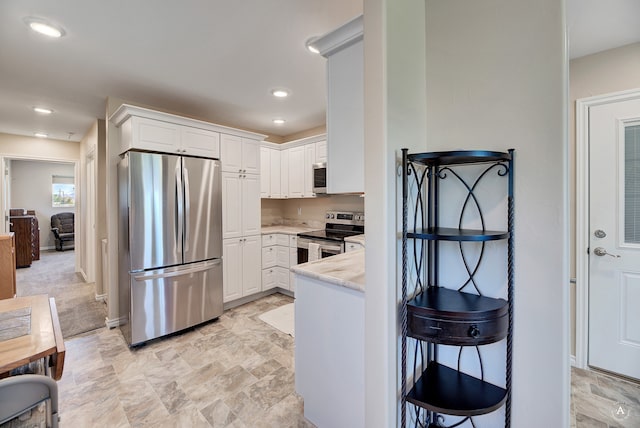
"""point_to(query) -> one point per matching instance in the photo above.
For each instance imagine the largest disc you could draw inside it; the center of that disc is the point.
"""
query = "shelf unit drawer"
(282, 239)
(451, 317)
(269, 239)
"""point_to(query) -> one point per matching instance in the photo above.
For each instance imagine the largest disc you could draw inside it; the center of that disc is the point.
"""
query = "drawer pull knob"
(474, 331)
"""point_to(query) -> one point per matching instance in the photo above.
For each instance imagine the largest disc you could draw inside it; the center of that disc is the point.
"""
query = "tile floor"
(602, 401)
(234, 372)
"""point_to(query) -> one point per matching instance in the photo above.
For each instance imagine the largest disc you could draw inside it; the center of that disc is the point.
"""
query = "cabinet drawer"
(450, 317)
(268, 257)
(282, 239)
(269, 239)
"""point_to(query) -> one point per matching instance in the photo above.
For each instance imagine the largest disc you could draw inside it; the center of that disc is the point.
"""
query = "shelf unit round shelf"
(458, 157)
(451, 234)
(444, 390)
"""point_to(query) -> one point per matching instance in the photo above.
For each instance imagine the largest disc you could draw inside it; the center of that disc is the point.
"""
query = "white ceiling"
(212, 59)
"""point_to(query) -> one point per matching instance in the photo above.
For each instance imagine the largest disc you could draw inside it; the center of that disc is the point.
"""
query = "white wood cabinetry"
(165, 137)
(296, 172)
(241, 267)
(309, 160)
(321, 151)
(265, 172)
(284, 173)
(344, 51)
(352, 246)
(240, 205)
(277, 259)
(239, 154)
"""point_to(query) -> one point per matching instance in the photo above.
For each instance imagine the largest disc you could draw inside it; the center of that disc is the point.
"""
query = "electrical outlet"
(299, 211)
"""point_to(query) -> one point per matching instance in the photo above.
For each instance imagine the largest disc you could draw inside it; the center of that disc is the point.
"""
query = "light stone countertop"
(358, 239)
(288, 230)
(346, 269)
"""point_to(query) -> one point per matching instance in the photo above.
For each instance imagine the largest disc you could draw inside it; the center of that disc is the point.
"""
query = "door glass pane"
(632, 184)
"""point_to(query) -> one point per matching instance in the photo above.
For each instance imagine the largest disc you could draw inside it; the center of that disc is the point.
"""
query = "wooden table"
(44, 341)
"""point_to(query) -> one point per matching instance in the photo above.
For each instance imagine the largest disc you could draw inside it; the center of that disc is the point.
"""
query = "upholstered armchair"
(62, 226)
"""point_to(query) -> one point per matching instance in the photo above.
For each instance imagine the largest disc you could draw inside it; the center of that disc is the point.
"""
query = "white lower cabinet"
(279, 252)
(241, 267)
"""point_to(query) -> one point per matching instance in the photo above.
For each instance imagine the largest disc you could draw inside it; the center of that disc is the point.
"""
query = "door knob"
(599, 251)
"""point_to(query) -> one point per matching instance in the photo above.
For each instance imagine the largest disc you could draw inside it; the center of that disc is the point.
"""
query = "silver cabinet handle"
(599, 251)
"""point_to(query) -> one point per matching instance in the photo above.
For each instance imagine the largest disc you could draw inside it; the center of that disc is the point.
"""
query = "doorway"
(608, 233)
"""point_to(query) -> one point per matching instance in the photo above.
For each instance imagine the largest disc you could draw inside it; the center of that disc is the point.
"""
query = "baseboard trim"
(113, 323)
(101, 298)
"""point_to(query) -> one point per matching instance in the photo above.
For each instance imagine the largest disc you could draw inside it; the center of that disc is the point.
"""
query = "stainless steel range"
(329, 241)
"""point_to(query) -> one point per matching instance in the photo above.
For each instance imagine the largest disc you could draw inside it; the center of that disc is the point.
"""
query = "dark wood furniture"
(25, 228)
(451, 286)
(7, 266)
(35, 235)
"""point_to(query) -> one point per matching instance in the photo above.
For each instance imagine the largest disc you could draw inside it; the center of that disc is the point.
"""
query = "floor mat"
(281, 318)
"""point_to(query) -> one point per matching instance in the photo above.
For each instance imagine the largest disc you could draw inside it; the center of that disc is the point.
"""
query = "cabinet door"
(345, 120)
(268, 279)
(282, 278)
(154, 135)
(265, 176)
(284, 173)
(250, 209)
(293, 256)
(309, 160)
(321, 151)
(273, 172)
(231, 205)
(251, 270)
(250, 156)
(282, 256)
(200, 142)
(231, 153)
(296, 172)
(231, 269)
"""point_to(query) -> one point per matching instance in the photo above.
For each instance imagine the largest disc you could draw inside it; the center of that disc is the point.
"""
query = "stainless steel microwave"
(320, 177)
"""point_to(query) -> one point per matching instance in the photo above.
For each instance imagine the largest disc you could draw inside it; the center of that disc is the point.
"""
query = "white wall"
(31, 189)
(495, 78)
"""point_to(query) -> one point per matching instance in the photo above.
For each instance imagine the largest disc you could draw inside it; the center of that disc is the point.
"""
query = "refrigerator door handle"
(178, 272)
(179, 207)
(187, 209)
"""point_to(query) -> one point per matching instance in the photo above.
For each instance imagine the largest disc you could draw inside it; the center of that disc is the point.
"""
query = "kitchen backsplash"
(308, 211)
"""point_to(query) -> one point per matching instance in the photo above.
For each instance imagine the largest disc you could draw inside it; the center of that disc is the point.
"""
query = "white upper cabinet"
(155, 131)
(265, 176)
(274, 174)
(200, 142)
(344, 51)
(321, 151)
(309, 160)
(158, 136)
(284, 173)
(296, 172)
(239, 154)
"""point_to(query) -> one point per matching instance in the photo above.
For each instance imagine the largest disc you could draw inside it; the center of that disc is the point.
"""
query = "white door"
(231, 205)
(250, 156)
(614, 237)
(296, 172)
(265, 172)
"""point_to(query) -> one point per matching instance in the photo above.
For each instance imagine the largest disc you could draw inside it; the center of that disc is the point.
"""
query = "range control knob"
(474, 331)
(328, 215)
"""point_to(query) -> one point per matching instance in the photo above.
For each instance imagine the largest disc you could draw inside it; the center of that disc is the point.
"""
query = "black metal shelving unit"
(435, 314)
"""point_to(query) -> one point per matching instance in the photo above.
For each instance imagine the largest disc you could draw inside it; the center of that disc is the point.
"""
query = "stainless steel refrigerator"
(170, 243)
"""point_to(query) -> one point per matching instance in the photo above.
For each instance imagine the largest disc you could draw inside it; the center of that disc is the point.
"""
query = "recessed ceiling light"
(42, 26)
(279, 121)
(310, 45)
(42, 110)
(41, 134)
(280, 93)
